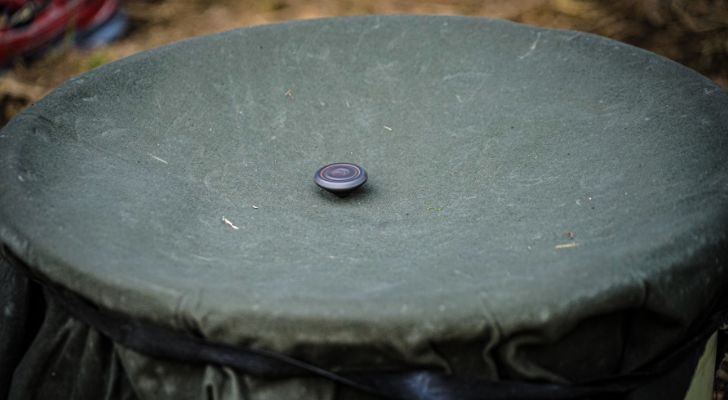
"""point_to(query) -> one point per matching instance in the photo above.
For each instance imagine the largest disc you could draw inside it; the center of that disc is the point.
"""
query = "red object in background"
(28, 26)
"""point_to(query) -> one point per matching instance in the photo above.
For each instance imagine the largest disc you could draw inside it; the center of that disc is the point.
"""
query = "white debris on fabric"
(228, 223)
(157, 158)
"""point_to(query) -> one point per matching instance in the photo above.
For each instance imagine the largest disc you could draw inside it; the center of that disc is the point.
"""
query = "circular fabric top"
(525, 185)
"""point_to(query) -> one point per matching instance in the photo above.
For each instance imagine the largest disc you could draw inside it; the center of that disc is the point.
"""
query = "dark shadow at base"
(359, 194)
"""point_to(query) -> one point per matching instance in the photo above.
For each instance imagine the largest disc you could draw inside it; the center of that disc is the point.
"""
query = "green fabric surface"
(70, 360)
(484, 141)
(16, 327)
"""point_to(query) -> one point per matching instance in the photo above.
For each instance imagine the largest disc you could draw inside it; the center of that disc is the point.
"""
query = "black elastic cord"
(168, 344)
(164, 343)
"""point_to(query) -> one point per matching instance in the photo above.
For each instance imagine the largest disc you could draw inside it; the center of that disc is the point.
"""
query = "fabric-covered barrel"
(545, 217)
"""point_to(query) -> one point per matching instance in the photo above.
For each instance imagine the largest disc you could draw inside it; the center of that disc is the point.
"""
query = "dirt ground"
(692, 32)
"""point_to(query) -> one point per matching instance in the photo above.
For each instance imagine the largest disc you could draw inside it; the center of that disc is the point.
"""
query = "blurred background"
(96, 32)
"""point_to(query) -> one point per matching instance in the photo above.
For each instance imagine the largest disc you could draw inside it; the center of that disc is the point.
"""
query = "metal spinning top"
(340, 178)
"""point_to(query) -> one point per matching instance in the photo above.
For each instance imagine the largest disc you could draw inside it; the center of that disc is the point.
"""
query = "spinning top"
(340, 178)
